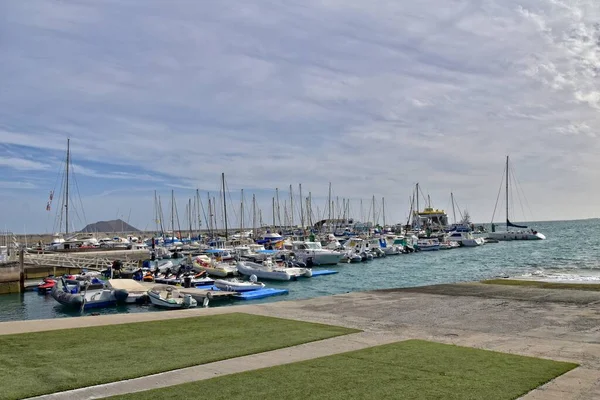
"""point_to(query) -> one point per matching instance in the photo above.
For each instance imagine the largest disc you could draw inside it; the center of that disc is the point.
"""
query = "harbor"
(553, 259)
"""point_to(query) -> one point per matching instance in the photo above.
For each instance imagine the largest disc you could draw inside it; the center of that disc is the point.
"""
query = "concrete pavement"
(549, 323)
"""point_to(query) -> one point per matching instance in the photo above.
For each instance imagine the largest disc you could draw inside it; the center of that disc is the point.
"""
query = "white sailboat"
(523, 232)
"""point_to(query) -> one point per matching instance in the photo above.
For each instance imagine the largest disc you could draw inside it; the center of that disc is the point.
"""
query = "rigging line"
(522, 193)
(79, 196)
(232, 207)
(518, 190)
(498, 196)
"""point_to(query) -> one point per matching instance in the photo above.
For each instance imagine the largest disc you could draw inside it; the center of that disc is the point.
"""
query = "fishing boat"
(166, 296)
(237, 285)
(522, 232)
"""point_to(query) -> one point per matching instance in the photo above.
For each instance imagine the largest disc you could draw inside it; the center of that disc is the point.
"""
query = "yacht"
(465, 239)
(313, 253)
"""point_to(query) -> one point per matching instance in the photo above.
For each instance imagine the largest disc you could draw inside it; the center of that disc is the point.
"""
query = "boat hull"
(516, 235)
(248, 269)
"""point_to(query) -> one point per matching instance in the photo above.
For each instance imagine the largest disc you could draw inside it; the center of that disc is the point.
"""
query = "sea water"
(570, 253)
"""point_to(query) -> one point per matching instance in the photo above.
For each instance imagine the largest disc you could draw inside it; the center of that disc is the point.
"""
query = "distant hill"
(115, 225)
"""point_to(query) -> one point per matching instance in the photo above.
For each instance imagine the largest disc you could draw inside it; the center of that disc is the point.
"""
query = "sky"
(371, 97)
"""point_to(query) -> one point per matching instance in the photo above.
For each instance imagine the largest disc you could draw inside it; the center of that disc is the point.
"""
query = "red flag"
(48, 207)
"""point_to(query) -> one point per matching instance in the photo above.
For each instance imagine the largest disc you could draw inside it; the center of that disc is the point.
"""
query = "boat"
(448, 245)
(465, 239)
(46, 285)
(312, 253)
(272, 271)
(166, 296)
(523, 232)
(428, 244)
(214, 267)
(84, 295)
(237, 285)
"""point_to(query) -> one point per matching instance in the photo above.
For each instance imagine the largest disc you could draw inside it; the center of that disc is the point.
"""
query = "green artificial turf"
(46, 362)
(545, 285)
(413, 369)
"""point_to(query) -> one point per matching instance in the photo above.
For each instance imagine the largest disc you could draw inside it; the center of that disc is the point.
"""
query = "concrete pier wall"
(9, 278)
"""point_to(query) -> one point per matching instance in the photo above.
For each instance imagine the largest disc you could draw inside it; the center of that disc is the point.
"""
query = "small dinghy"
(237, 285)
(85, 295)
(166, 296)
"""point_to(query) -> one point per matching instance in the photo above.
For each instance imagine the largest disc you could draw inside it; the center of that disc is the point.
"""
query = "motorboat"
(214, 267)
(312, 253)
(237, 285)
(272, 271)
(465, 239)
(166, 296)
(428, 244)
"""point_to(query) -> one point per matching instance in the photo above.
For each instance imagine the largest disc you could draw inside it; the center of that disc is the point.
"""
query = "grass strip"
(39, 363)
(412, 369)
(594, 287)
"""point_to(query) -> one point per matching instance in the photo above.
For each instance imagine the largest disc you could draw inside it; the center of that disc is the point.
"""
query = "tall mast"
(156, 211)
(278, 208)
(383, 210)
(273, 213)
(173, 215)
(309, 209)
(254, 217)
(453, 208)
(418, 197)
(507, 193)
(301, 210)
(291, 207)
(198, 211)
(210, 219)
(190, 216)
(329, 206)
(224, 204)
(242, 213)
(67, 190)
(374, 222)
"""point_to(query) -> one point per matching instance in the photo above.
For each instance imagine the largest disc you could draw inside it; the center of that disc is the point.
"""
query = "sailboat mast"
(242, 213)
(383, 210)
(291, 207)
(329, 206)
(301, 208)
(67, 189)
(209, 215)
(453, 208)
(254, 216)
(507, 193)
(190, 216)
(417, 191)
(224, 204)
(198, 211)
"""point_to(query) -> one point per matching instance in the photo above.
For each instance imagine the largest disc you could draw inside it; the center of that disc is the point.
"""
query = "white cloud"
(22, 164)
(372, 96)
